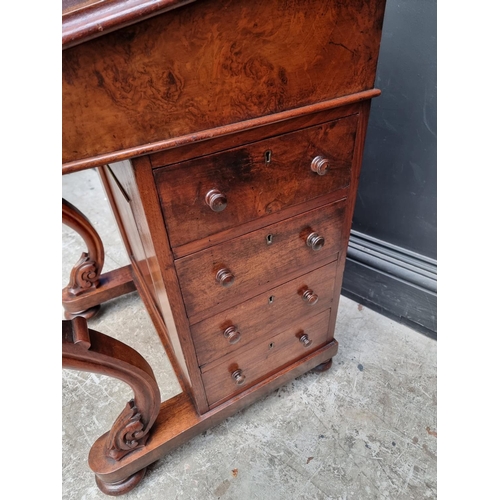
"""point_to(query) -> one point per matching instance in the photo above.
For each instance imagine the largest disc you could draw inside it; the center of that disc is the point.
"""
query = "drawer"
(226, 274)
(207, 195)
(264, 315)
(252, 365)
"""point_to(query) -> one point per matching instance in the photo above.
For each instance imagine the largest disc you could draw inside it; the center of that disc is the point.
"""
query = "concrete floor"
(365, 429)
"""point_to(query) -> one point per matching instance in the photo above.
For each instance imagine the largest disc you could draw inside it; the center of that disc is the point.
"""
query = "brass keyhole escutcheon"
(267, 157)
(271, 299)
(271, 345)
(269, 239)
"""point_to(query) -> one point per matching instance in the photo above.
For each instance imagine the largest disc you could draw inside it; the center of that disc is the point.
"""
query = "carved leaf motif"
(127, 433)
(84, 275)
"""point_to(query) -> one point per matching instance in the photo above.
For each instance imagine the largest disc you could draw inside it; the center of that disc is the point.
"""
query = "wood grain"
(121, 187)
(213, 64)
(87, 19)
(209, 89)
(226, 133)
(178, 421)
(256, 264)
(282, 123)
(234, 232)
(253, 185)
(156, 242)
(263, 359)
(260, 318)
(89, 350)
(123, 204)
(112, 284)
(85, 274)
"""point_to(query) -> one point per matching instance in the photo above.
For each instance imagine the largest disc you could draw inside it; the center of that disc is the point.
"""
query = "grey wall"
(396, 204)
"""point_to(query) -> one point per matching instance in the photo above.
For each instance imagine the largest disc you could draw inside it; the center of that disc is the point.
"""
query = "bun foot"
(122, 487)
(323, 367)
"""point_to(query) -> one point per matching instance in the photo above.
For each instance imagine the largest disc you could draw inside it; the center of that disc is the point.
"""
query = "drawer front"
(224, 275)
(222, 381)
(250, 182)
(264, 315)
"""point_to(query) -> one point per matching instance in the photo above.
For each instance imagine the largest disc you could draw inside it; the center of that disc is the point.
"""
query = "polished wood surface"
(85, 274)
(112, 284)
(173, 310)
(260, 316)
(265, 357)
(229, 135)
(255, 180)
(87, 19)
(256, 264)
(87, 288)
(88, 350)
(190, 70)
(265, 127)
(178, 420)
(119, 183)
(187, 143)
(144, 234)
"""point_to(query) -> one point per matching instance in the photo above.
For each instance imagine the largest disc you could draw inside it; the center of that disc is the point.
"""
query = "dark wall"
(396, 204)
(397, 193)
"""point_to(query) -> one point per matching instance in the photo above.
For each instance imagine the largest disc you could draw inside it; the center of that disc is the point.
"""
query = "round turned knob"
(225, 277)
(216, 200)
(315, 241)
(232, 334)
(305, 340)
(238, 377)
(310, 297)
(320, 165)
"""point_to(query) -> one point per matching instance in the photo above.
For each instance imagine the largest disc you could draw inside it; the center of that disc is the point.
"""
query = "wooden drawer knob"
(216, 200)
(305, 340)
(232, 335)
(320, 165)
(310, 297)
(225, 277)
(238, 377)
(315, 241)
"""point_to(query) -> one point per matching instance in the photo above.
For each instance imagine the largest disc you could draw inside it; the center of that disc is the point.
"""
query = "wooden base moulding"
(178, 422)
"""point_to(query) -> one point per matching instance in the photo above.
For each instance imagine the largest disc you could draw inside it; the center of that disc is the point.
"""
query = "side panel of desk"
(119, 182)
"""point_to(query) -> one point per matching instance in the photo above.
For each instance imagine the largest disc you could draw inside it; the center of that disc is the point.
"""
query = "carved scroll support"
(85, 274)
(88, 350)
(87, 288)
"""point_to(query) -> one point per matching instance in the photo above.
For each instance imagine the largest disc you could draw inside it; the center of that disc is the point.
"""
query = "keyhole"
(271, 299)
(271, 345)
(269, 239)
(267, 157)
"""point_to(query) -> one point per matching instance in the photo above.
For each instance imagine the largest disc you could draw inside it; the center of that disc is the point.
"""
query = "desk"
(229, 137)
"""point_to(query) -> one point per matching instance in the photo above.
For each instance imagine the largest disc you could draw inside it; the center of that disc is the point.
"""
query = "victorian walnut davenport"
(229, 137)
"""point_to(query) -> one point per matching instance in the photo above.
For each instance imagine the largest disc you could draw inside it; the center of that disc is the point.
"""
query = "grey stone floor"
(366, 429)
